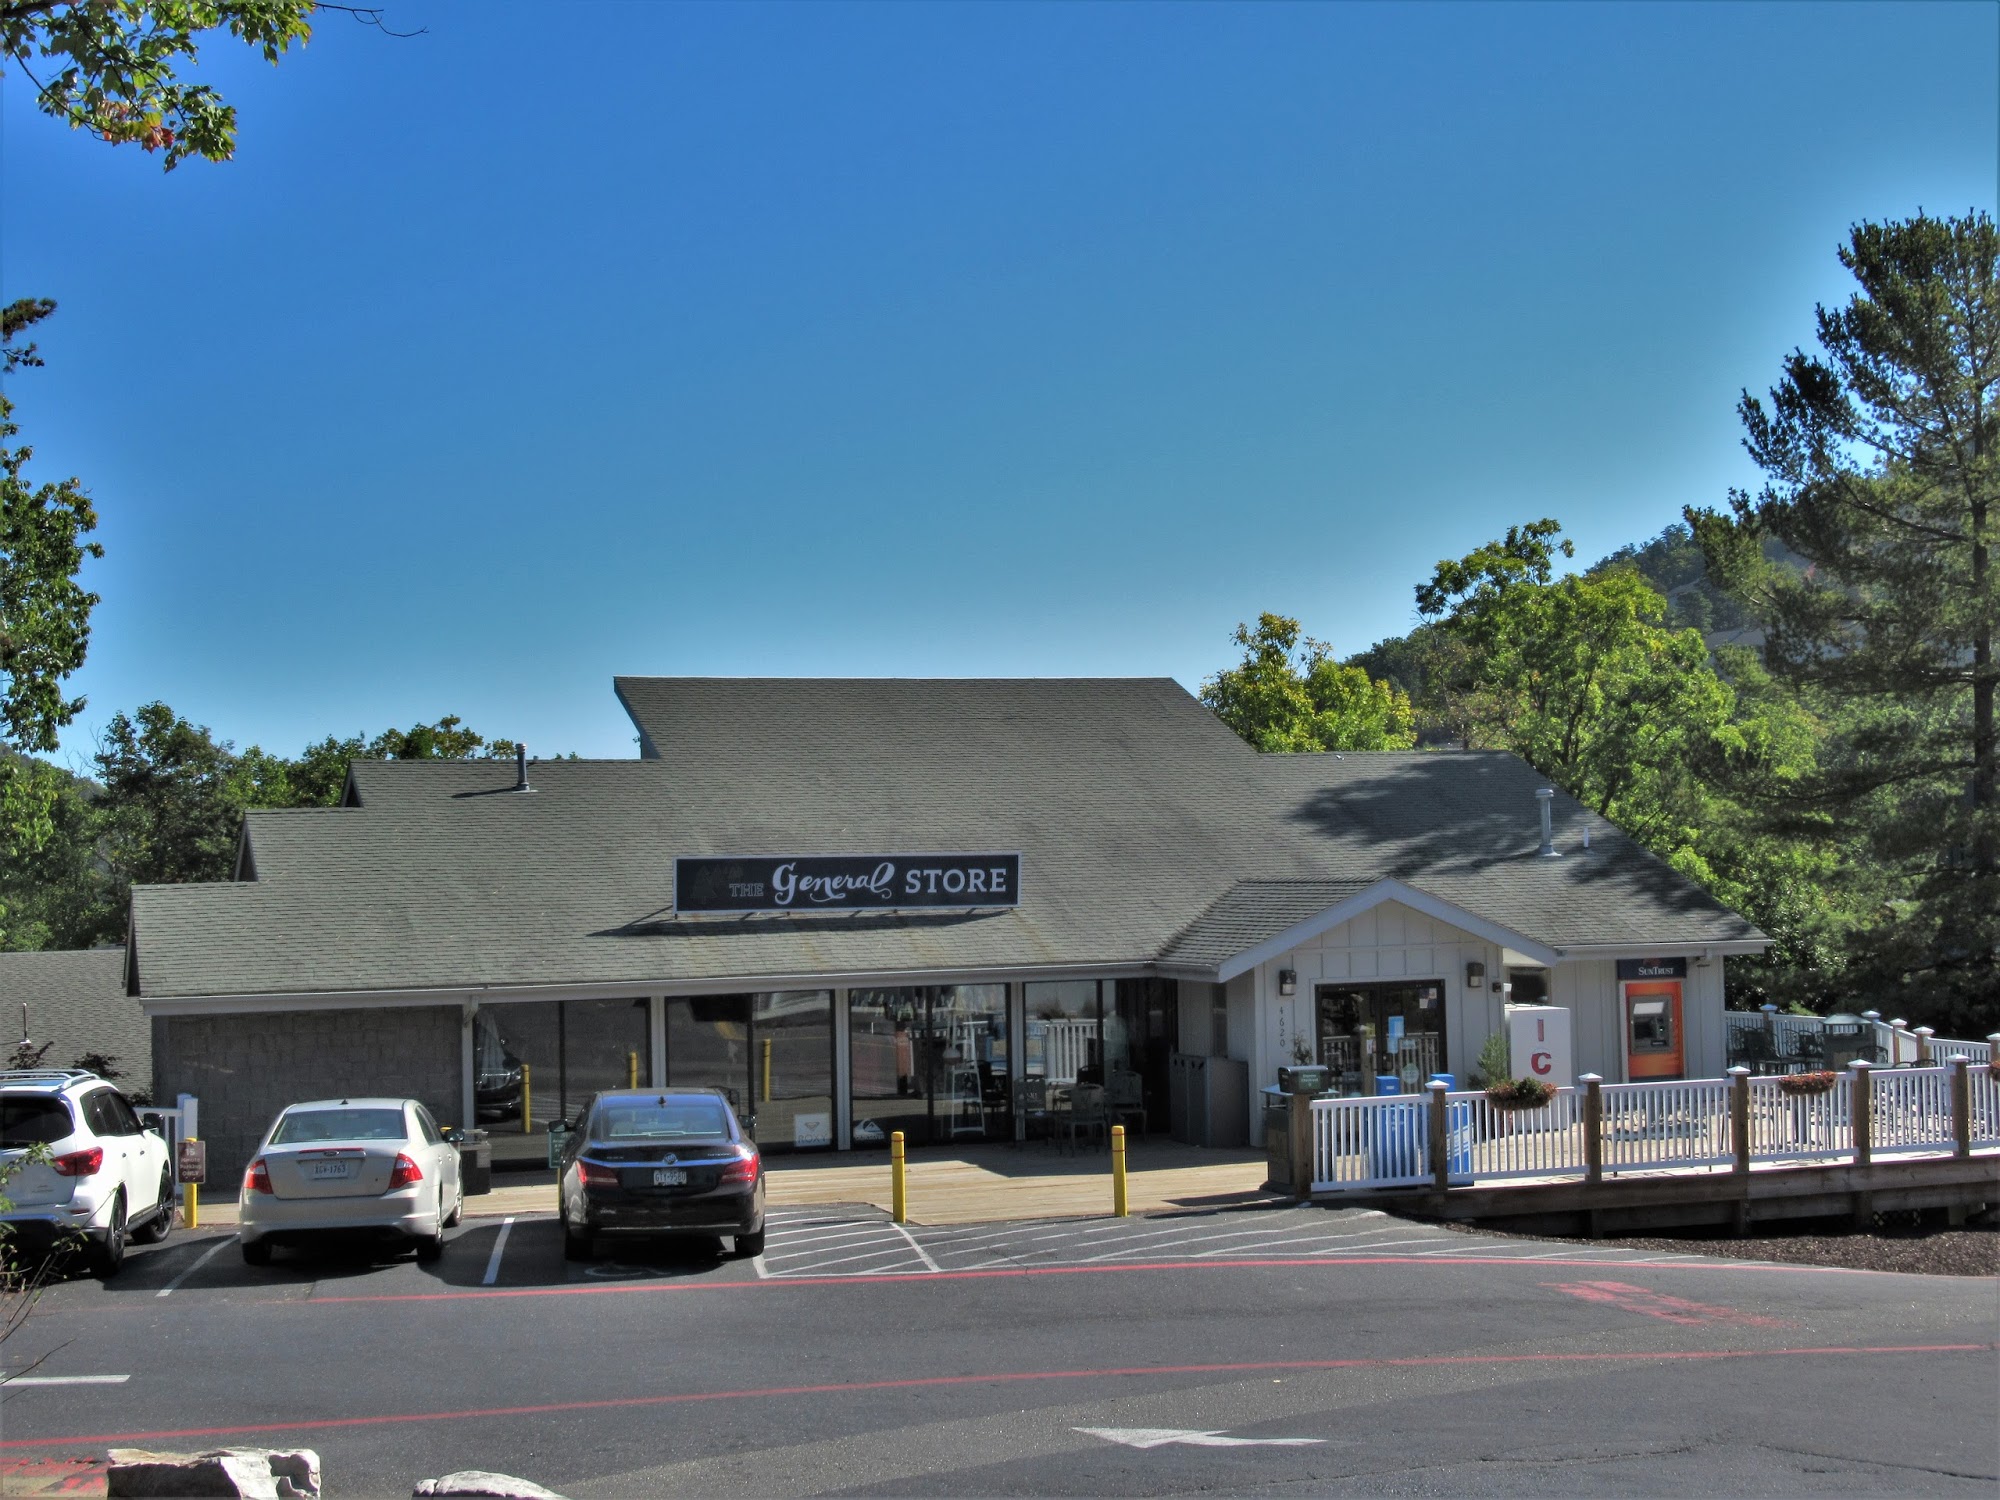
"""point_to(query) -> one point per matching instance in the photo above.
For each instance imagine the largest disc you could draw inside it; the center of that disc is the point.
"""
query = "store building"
(869, 906)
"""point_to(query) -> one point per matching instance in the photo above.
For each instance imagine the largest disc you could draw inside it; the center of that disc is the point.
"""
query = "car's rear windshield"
(34, 1122)
(303, 1125)
(665, 1119)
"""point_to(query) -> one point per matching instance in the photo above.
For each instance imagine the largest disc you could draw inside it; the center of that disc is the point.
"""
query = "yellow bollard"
(191, 1203)
(767, 1070)
(899, 1206)
(527, 1100)
(631, 1070)
(1118, 1208)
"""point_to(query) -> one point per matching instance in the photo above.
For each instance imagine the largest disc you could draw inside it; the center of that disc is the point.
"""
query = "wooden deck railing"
(1446, 1139)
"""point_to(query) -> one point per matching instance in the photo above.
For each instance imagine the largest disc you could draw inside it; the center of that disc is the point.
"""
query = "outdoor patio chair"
(1031, 1108)
(1127, 1098)
(1087, 1116)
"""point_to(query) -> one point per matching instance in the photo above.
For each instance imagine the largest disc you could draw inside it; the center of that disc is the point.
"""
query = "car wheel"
(576, 1246)
(256, 1252)
(161, 1224)
(750, 1246)
(430, 1249)
(108, 1254)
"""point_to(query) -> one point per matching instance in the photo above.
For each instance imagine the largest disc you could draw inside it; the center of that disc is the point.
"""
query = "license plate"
(330, 1169)
(670, 1177)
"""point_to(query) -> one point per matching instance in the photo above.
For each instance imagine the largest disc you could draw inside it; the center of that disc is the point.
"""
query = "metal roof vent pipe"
(1546, 796)
(521, 774)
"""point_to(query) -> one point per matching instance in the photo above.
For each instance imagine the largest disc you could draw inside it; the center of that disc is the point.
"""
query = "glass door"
(1370, 1032)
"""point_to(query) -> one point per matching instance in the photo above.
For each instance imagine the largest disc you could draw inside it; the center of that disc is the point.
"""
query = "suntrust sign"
(846, 882)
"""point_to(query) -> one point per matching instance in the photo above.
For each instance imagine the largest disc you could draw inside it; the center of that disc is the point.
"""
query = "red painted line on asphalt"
(1629, 1298)
(1002, 1273)
(1000, 1377)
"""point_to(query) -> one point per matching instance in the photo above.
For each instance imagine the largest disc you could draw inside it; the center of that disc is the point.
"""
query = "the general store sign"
(847, 882)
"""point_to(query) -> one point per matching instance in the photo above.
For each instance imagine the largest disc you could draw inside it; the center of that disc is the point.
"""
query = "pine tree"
(1882, 463)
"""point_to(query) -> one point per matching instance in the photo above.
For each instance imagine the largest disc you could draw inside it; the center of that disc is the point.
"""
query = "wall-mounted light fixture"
(1288, 981)
(1475, 976)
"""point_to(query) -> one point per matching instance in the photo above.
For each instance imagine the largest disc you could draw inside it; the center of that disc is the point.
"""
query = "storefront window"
(1064, 1032)
(536, 1062)
(771, 1054)
(969, 1087)
(792, 1051)
(886, 1039)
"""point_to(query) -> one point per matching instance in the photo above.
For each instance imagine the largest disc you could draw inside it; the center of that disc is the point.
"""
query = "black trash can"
(475, 1162)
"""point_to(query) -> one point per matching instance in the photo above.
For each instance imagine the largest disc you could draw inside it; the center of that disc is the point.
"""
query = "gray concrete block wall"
(245, 1068)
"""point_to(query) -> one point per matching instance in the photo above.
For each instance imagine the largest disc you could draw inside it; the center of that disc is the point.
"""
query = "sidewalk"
(961, 1185)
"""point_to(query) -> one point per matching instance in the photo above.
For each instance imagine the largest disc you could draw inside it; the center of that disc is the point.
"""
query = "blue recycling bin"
(1387, 1083)
(1399, 1144)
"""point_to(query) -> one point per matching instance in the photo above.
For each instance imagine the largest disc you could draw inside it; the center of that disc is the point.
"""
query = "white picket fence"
(1683, 1125)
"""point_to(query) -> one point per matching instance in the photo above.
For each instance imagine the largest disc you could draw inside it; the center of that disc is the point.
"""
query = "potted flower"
(1806, 1085)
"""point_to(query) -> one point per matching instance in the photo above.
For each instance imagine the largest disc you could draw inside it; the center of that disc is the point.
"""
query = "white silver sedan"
(342, 1166)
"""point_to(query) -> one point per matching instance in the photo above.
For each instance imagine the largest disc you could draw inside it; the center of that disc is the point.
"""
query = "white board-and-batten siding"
(1393, 942)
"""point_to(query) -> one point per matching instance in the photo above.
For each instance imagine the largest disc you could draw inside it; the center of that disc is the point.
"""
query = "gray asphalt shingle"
(77, 1002)
(1135, 811)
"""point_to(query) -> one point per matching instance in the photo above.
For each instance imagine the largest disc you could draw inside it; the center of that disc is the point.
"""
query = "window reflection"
(771, 1054)
(930, 1062)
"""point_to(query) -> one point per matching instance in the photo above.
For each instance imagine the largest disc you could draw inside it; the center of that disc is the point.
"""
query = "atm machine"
(1649, 993)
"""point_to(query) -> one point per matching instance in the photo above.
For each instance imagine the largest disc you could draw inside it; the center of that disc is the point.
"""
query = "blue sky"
(560, 342)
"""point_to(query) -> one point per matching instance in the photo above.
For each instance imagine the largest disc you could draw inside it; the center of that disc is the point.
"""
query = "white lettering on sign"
(787, 883)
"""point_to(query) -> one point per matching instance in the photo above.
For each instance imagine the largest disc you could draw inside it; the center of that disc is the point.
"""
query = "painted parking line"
(1572, 1358)
(19, 1381)
(499, 1249)
(929, 1264)
(198, 1262)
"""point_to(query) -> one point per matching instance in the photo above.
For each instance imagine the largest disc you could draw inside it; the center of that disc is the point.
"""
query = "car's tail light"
(405, 1172)
(744, 1168)
(80, 1163)
(597, 1176)
(258, 1178)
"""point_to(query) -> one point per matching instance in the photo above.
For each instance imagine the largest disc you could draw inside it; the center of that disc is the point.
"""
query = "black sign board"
(191, 1162)
(1652, 968)
(847, 882)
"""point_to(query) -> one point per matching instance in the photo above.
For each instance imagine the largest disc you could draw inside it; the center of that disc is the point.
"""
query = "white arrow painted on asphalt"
(1160, 1437)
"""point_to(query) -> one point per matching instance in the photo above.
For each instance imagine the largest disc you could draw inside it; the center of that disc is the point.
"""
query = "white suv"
(107, 1177)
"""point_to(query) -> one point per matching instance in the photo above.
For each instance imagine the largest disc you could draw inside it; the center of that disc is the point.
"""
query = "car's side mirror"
(454, 1137)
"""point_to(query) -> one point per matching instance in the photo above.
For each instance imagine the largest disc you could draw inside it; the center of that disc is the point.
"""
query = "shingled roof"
(77, 1002)
(1148, 833)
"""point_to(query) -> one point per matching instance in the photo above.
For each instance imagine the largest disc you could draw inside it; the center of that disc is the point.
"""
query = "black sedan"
(660, 1162)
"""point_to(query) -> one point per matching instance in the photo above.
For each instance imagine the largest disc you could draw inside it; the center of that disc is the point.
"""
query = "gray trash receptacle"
(475, 1162)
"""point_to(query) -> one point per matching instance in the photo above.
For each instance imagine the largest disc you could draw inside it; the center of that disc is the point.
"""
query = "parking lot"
(525, 1250)
(1276, 1348)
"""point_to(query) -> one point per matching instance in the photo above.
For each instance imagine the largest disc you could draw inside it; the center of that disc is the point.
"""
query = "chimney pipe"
(1546, 796)
(521, 769)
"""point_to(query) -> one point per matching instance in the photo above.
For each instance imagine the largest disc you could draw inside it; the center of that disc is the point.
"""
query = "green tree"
(1881, 457)
(113, 67)
(1289, 694)
(44, 609)
(1582, 677)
